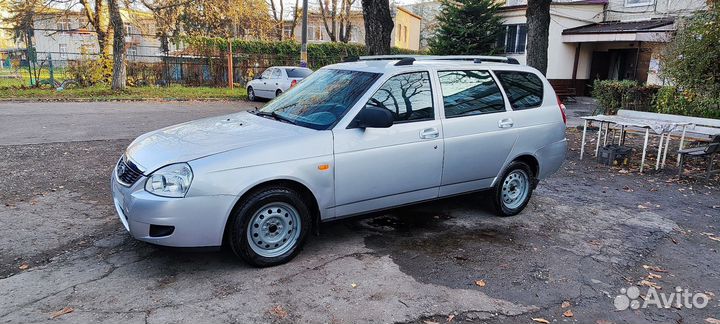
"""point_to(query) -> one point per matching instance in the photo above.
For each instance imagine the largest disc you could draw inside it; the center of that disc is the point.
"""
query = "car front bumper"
(197, 221)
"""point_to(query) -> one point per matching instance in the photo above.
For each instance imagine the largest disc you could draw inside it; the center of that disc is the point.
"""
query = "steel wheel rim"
(274, 229)
(251, 94)
(515, 189)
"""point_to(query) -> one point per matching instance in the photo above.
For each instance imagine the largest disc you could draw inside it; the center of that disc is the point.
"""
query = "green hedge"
(626, 94)
(671, 100)
(612, 95)
(319, 54)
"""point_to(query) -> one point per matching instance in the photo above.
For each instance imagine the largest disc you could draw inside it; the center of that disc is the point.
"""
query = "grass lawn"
(102, 92)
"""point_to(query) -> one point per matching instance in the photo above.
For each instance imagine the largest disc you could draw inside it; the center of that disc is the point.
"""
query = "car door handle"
(505, 123)
(429, 133)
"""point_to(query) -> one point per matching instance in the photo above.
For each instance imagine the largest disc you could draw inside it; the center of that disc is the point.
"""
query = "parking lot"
(588, 232)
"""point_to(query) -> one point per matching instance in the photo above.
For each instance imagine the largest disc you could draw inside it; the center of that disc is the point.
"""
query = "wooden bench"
(706, 152)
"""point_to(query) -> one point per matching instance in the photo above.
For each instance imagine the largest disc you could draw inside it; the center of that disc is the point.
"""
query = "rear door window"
(524, 89)
(468, 93)
(276, 73)
(298, 72)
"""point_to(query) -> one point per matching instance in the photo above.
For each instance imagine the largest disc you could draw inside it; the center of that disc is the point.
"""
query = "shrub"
(280, 52)
(626, 94)
(670, 100)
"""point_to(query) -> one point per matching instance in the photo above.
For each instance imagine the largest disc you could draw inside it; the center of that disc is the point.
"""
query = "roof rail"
(473, 58)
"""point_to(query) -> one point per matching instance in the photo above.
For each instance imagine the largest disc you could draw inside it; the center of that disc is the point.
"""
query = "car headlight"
(170, 181)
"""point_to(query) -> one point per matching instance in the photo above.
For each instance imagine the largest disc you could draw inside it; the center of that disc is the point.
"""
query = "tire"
(269, 227)
(512, 193)
(251, 94)
(278, 92)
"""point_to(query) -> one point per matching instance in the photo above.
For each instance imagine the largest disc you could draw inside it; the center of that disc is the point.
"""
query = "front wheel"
(512, 193)
(269, 227)
(278, 93)
(251, 94)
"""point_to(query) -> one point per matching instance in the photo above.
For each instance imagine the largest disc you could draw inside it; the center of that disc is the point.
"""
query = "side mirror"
(373, 117)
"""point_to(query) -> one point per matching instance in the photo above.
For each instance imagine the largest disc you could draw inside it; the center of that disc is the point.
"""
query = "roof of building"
(558, 3)
(615, 27)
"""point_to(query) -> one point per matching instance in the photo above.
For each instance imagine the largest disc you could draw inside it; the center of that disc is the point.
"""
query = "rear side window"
(524, 90)
(470, 93)
(408, 96)
(298, 72)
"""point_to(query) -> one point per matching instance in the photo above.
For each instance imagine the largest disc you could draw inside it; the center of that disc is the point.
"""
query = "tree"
(378, 26)
(690, 62)
(216, 18)
(337, 20)
(538, 26)
(119, 76)
(469, 27)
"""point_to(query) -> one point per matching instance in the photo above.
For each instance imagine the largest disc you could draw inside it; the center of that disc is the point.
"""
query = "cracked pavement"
(586, 234)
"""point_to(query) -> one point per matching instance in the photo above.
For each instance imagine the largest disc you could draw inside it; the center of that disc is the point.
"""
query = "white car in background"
(275, 80)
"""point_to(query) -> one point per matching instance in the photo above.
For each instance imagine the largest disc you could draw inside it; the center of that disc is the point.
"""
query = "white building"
(67, 36)
(600, 39)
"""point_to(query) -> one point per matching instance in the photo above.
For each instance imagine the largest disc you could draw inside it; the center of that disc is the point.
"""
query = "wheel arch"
(301, 188)
(528, 159)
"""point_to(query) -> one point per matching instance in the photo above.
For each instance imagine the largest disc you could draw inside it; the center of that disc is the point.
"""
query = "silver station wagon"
(354, 137)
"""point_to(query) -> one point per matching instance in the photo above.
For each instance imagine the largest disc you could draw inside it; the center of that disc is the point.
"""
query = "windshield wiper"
(276, 116)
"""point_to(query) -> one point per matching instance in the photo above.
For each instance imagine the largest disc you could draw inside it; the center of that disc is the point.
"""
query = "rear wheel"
(269, 227)
(512, 193)
(251, 94)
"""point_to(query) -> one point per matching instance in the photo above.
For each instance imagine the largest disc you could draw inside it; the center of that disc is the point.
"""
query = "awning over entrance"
(654, 30)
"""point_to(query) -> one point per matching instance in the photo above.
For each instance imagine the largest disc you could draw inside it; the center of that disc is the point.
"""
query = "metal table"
(660, 127)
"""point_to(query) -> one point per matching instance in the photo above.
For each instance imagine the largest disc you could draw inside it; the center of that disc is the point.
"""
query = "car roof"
(383, 65)
(288, 67)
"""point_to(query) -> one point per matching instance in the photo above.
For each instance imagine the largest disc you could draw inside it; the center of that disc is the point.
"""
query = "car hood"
(200, 138)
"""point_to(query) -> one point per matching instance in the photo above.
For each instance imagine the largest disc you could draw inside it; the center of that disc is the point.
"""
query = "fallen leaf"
(450, 318)
(602, 321)
(653, 268)
(65, 310)
(651, 276)
(565, 304)
(430, 322)
(541, 320)
(714, 238)
(649, 284)
(568, 313)
(24, 266)
(278, 311)
(712, 320)
(353, 285)
(642, 207)
(480, 283)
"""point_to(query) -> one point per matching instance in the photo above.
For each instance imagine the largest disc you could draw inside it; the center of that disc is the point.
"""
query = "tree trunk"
(119, 77)
(538, 27)
(378, 26)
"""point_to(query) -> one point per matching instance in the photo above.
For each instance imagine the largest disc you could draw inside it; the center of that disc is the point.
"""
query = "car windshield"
(322, 99)
(298, 72)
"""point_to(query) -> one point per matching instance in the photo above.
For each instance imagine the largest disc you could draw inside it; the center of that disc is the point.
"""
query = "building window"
(129, 30)
(315, 33)
(287, 32)
(399, 32)
(405, 34)
(638, 3)
(513, 38)
(355, 34)
(63, 24)
(132, 52)
(515, 2)
(62, 48)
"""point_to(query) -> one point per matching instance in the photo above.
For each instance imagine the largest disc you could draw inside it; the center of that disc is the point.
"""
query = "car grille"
(127, 172)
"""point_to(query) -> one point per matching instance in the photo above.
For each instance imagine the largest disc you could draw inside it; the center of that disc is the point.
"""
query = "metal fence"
(191, 70)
